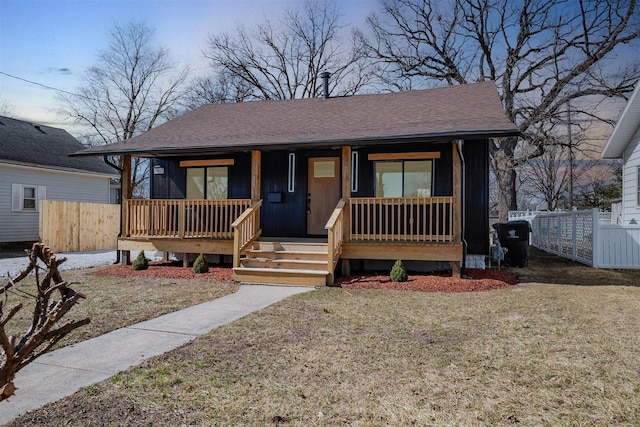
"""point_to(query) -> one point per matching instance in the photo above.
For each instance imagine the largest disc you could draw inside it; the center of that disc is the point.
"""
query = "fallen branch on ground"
(19, 351)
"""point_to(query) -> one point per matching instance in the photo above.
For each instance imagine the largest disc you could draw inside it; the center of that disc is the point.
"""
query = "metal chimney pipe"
(325, 84)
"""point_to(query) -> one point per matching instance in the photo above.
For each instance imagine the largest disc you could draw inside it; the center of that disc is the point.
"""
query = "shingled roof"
(466, 111)
(25, 143)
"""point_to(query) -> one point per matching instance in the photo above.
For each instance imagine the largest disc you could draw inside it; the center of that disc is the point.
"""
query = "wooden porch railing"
(417, 219)
(334, 228)
(182, 218)
(246, 228)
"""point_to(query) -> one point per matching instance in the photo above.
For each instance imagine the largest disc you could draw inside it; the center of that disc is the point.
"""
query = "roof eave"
(625, 129)
(169, 151)
(59, 168)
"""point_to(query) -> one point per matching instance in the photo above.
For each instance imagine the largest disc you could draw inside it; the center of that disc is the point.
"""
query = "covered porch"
(358, 228)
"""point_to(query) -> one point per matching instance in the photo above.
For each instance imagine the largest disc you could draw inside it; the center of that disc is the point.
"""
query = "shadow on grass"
(548, 268)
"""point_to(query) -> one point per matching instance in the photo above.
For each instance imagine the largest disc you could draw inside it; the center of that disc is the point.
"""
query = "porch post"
(346, 195)
(256, 174)
(125, 195)
(457, 204)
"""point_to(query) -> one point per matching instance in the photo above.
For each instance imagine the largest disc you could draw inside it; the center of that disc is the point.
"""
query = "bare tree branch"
(133, 87)
(543, 55)
(285, 61)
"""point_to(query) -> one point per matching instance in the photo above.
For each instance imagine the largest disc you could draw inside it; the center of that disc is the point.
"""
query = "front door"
(323, 192)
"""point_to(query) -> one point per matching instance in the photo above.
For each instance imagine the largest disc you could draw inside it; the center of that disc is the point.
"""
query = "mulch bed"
(476, 280)
(168, 270)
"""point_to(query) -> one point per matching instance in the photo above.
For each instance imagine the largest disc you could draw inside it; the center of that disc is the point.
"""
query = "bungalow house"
(35, 165)
(290, 188)
(624, 143)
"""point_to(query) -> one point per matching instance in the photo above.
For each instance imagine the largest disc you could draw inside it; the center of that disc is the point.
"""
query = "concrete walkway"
(63, 372)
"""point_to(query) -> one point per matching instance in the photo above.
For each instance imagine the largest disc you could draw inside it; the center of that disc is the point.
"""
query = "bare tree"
(285, 61)
(217, 89)
(6, 108)
(45, 331)
(599, 185)
(547, 177)
(133, 87)
(542, 54)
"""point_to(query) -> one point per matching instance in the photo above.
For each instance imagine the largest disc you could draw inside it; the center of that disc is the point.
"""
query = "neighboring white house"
(34, 165)
(624, 144)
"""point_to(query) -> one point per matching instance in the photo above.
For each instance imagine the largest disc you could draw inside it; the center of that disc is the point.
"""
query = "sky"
(52, 42)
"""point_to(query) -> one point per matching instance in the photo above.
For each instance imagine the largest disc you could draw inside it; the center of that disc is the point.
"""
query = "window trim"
(427, 155)
(206, 163)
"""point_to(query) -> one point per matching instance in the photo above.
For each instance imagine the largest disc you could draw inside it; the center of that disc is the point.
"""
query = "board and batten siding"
(630, 206)
(22, 226)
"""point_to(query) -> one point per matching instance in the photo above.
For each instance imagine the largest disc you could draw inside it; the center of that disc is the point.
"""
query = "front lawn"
(114, 302)
(533, 354)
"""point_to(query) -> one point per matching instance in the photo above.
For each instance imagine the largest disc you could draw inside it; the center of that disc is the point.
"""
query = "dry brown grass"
(115, 302)
(533, 354)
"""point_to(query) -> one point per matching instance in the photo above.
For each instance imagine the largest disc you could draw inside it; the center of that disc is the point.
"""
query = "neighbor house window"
(403, 178)
(29, 198)
(207, 183)
(26, 197)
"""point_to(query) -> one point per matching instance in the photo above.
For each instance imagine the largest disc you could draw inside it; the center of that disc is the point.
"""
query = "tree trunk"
(502, 162)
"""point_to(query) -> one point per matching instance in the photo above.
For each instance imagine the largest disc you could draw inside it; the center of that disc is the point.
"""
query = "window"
(27, 197)
(354, 171)
(207, 183)
(291, 174)
(324, 169)
(403, 178)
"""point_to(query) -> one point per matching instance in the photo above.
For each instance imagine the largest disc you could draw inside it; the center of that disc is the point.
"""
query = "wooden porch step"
(307, 247)
(280, 276)
(284, 263)
(288, 254)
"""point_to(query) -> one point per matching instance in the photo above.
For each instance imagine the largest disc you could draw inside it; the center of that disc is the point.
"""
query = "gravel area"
(11, 267)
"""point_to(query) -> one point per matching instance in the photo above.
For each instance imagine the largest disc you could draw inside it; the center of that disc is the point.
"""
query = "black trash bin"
(514, 235)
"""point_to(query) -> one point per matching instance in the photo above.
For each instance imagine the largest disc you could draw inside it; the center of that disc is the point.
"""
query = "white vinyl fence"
(588, 237)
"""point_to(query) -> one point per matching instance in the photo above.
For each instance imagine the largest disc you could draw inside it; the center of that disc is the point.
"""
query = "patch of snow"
(11, 267)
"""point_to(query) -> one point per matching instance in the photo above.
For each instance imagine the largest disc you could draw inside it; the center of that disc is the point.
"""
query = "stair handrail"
(334, 228)
(246, 228)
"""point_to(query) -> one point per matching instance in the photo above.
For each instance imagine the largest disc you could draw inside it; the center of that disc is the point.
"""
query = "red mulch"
(166, 270)
(478, 280)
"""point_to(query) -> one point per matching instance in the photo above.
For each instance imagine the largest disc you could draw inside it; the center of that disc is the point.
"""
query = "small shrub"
(141, 262)
(398, 273)
(200, 265)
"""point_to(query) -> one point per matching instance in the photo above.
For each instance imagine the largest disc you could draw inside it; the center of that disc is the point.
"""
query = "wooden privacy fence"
(77, 226)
